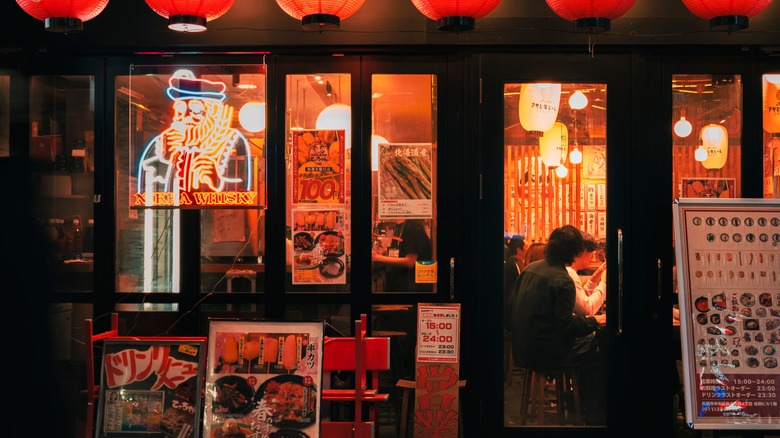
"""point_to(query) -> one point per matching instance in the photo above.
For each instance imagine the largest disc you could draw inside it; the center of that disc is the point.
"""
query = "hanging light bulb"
(376, 140)
(578, 100)
(700, 154)
(575, 156)
(252, 116)
(561, 171)
(682, 127)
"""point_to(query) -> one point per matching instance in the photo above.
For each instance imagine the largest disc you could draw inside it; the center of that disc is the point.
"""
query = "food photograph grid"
(263, 379)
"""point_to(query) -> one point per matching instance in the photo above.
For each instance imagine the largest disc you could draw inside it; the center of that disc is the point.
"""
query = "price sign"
(438, 334)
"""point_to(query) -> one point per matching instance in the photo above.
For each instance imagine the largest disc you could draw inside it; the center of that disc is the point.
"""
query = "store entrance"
(560, 131)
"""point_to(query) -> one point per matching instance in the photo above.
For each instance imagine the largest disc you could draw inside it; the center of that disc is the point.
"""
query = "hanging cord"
(591, 45)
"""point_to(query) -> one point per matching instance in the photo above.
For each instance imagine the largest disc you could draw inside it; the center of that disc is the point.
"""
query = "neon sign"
(200, 160)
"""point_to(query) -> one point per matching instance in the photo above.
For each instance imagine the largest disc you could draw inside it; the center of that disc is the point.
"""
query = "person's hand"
(601, 272)
(601, 319)
(375, 255)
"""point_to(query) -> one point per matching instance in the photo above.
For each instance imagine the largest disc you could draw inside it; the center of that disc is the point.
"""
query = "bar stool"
(566, 388)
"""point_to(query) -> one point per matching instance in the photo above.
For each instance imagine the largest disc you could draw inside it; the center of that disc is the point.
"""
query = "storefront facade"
(101, 97)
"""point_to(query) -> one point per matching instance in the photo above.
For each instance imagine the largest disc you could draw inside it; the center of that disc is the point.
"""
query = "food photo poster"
(263, 379)
(151, 387)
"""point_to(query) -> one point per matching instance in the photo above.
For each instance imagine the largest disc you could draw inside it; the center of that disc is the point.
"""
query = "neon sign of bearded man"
(194, 153)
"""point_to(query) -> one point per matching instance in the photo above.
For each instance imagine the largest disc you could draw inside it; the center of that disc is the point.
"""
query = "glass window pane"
(318, 158)
(555, 156)
(403, 164)
(62, 145)
(5, 115)
(706, 138)
(771, 121)
(190, 137)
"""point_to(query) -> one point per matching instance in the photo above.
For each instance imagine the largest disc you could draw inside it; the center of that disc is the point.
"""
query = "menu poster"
(728, 272)
(318, 247)
(318, 173)
(263, 379)
(151, 387)
(709, 187)
(406, 181)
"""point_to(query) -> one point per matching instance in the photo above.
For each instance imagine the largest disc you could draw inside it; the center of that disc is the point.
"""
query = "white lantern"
(252, 116)
(376, 140)
(683, 127)
(771, 103)
(538, 107)
(337, 116)
(554, 145)
(578, 100)
(715, 140)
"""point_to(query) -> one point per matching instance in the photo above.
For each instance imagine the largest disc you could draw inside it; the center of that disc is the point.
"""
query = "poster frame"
(709, 404)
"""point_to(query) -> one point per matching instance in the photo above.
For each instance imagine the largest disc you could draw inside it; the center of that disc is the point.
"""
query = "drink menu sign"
(728, 273)
(151, 387)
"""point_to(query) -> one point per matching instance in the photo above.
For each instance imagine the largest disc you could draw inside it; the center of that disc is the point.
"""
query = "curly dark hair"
(565, 243)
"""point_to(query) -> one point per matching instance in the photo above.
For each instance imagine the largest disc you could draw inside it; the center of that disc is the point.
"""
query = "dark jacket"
(541, 322)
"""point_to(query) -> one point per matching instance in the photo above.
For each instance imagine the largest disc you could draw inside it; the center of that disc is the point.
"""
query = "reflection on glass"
(62, 145)
(190, 137)
(403, 164)
(706, 162)
(318, 127)
(555, 156)
(770, 108)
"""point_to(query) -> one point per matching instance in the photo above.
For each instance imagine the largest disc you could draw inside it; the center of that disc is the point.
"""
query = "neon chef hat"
(184, 85)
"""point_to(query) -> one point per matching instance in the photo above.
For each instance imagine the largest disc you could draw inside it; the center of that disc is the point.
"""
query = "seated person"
(591, 296)
(540, 311)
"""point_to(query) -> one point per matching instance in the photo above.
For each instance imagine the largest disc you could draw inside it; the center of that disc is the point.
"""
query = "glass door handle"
(660, 280)
(452, 278)
(620, 281)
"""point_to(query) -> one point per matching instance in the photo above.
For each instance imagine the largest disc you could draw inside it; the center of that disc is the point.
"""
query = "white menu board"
(728, 275)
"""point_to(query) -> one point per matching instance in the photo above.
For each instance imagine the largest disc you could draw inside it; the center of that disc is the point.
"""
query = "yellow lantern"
(715, 140)
(771, 103)
(554, 145)
(538, 107)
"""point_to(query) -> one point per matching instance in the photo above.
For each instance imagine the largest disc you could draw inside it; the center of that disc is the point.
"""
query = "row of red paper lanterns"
(193, 15)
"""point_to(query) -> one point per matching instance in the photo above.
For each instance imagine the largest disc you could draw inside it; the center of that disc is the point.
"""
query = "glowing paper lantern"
(63, 15)
(700, 154)
(590, 15)
(771, 103)
(554, 145)
(320, 14)
(727, 15)
(575, 157)
(561, 171)
(715, 140)
(252, 116)
(578, 100)
(337, 116)
(455, 16)
(538, 107)
(189, 15)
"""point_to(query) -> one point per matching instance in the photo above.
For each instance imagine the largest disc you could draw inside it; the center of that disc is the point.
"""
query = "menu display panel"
(728, 264)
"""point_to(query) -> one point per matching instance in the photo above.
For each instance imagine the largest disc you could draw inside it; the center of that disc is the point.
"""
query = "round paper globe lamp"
(252, 116)
(455, 16)
(683, 128)
(337, 116)
(590, 15)
(189, 15)
(561, 171)
(65, 15)
(729, 15)
(578, 100)
(376, 140)
(575, 157)
(320, 14)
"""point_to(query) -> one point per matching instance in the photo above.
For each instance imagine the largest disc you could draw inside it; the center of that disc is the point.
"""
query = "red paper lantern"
(455, 15)
(727, 15)
(189, 15)
(320, 14)
(63, 15)
(590, 15)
